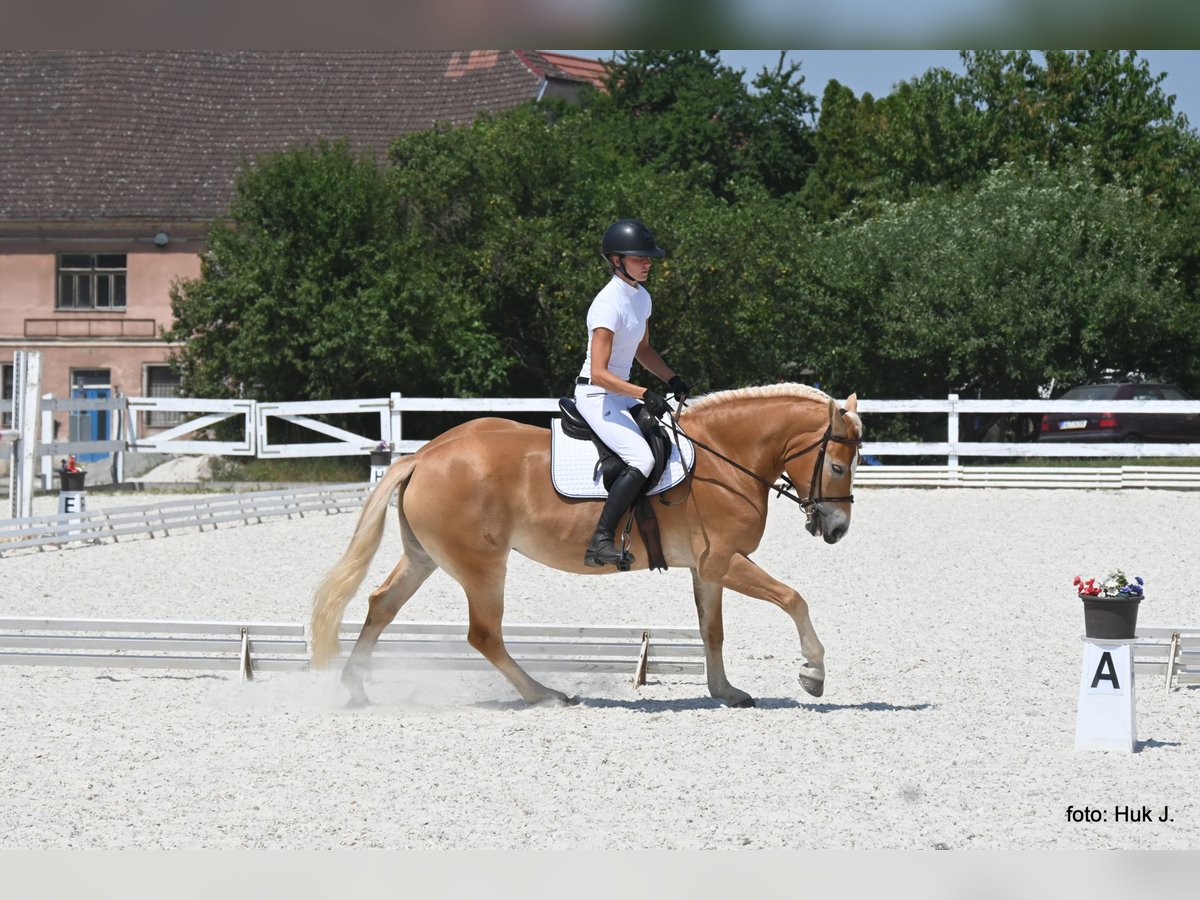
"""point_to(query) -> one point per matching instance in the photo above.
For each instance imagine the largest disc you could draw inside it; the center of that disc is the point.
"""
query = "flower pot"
(381, 457)
(1110, 618)
(71, 481)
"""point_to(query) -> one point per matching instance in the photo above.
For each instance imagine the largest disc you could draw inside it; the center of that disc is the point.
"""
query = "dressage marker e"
(474, 494)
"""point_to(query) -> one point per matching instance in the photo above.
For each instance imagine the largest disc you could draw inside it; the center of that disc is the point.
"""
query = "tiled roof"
(100, 135)
(593, 70)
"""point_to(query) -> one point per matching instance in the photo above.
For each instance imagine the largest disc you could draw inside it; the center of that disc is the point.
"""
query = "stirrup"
(620, 557)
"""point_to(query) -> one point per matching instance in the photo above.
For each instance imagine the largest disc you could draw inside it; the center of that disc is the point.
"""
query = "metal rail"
(263, 646)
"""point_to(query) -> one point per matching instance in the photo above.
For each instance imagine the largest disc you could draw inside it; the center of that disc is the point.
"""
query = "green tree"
(945, 129)
(303, 293)
(683, 111)
(1036, 274)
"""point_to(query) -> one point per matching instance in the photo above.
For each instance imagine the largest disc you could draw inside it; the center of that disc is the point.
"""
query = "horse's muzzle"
(831, 524)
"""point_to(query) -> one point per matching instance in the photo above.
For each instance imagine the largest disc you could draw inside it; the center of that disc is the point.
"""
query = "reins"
(807, 504)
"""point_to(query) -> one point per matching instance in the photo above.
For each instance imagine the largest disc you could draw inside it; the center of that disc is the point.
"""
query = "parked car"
(1180, 428)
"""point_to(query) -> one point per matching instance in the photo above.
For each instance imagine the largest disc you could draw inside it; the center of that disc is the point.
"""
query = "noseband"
(809, 503)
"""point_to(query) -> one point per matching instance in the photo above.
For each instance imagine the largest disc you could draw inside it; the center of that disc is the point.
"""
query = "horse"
(481, 490)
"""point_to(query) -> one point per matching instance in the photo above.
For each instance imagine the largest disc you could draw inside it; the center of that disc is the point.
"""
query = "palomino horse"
(481, 490)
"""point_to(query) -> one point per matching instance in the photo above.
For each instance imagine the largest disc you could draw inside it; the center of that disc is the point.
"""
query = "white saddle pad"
(573, 466)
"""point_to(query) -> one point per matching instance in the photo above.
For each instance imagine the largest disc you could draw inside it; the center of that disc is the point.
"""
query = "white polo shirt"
(623, 310)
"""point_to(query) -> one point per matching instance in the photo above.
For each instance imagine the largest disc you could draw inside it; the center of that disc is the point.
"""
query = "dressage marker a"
(1107, 711)
(247, 647)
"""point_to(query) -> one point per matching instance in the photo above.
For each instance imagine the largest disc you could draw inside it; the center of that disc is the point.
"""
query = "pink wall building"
(113, 164)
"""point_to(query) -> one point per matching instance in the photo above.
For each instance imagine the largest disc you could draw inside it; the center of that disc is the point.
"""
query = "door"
(90, 424)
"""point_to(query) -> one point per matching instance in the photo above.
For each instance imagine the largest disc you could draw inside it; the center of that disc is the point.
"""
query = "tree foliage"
(984, 233)
(1032, 275)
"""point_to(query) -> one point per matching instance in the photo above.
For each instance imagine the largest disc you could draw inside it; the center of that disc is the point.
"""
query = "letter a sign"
(1106, 697)
(1105, 679)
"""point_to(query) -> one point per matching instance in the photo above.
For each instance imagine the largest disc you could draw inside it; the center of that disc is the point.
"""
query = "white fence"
(200, 512)
(246, 647)
(1170, 652)
(385, 420)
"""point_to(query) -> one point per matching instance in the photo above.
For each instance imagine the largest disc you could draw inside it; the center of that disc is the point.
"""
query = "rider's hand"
(655, 405)
(679, 387)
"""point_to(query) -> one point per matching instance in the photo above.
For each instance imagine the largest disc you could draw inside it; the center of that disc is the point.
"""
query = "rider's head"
(630, 238)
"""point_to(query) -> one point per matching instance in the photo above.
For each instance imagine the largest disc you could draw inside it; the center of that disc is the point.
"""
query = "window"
(162, 381)
(6, 392)
(91, 281)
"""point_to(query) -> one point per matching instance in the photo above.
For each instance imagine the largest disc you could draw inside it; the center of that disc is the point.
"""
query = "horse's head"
(836, 460)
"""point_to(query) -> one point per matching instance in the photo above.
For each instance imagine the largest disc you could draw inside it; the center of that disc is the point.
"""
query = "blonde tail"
(337, 588)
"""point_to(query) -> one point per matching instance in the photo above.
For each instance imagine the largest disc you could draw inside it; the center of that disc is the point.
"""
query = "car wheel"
(1132, 438)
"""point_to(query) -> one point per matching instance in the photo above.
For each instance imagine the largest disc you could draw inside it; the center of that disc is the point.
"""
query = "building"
(113, 164)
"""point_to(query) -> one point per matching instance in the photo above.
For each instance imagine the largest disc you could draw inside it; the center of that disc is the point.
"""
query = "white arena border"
(247, 647)
(163, 519)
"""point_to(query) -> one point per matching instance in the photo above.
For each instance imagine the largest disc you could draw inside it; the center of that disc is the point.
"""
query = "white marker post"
(72, 498)
(1107, 707)
(381, 460)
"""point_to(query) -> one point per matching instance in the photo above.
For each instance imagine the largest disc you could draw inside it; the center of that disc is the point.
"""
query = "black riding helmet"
(629, 237)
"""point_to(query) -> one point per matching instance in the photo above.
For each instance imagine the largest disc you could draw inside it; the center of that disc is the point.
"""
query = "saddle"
(609, 465)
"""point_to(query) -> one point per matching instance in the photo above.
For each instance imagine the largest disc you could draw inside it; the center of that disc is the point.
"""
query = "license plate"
(1072, 423)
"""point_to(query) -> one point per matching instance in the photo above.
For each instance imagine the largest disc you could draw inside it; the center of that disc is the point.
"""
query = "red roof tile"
(96, 135)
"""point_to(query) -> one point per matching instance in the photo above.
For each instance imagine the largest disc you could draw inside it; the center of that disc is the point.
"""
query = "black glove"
(655, 405)
(679, 388)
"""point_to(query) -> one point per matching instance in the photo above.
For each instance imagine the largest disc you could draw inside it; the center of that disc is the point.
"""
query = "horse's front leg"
(712, 629)
(745, 577)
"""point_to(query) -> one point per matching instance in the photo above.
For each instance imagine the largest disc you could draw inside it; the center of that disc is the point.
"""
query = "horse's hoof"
(358, 701)
(814, 686)
(557, 700)
(747, 703)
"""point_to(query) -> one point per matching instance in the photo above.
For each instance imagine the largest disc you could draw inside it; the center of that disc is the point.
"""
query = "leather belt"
(582, 380)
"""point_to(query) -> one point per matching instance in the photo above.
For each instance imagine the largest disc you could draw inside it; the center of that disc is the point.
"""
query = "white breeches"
(609, 416)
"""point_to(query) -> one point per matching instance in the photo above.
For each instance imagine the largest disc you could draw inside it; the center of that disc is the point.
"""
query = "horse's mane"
(783, 389)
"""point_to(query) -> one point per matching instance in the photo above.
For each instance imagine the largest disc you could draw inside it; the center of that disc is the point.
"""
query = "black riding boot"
(601, 550)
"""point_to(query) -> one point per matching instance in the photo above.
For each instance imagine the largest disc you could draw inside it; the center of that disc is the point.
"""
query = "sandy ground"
(178, 469)
(953, 655)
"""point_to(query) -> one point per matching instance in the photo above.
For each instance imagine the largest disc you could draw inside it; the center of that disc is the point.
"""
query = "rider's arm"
(649, 358)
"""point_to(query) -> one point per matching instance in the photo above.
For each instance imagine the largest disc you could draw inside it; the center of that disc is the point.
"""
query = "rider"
(619, 333)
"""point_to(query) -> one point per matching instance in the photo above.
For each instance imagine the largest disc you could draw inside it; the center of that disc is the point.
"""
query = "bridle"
(807, 504)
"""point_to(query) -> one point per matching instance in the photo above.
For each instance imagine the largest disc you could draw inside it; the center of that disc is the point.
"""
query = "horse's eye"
(838, 468)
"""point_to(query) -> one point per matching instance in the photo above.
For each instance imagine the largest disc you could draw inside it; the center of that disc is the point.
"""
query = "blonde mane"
(783, 389)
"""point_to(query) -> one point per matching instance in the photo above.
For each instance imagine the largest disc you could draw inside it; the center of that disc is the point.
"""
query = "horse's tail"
(339, 584)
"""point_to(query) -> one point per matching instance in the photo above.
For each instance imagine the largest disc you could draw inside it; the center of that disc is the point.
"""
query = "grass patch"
(328, 469)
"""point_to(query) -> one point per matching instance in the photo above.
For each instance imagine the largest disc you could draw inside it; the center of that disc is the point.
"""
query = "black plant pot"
(381, 457)
(71, 481)
(1110, 618)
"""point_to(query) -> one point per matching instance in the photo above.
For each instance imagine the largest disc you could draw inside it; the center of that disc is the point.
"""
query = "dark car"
(1167, 427)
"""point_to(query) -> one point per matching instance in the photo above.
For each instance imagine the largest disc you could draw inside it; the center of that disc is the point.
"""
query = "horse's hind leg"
(385, 601)
(485, 599)
(712, 629)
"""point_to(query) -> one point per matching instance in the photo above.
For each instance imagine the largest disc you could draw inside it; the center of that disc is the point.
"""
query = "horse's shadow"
(646, 705)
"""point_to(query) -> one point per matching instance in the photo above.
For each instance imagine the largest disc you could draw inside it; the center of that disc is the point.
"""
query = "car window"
(1141, 392)
(1173, 393)
(1091, 392)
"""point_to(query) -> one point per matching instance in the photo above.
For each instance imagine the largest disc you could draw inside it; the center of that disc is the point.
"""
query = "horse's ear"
(852, 403)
